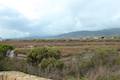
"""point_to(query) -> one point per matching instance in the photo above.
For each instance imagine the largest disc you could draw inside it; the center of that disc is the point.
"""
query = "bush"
(23, 51)
(13, 64)
(53, 52)
(109, 77)
(105, 57)
(51, 63)
(4, 49)
(85, 62)
(36, 55)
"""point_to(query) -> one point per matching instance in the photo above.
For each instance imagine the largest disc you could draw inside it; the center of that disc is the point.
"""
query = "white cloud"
(6, 33)
(35, 9)
(58, 16)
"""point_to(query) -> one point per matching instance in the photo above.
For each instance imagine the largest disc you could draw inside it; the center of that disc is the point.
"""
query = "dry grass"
(67, 47)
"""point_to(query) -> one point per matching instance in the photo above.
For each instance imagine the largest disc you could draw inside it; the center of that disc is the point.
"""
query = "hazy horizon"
(21, 18)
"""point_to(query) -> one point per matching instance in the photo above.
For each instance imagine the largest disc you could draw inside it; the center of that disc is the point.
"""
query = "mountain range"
(78, 34)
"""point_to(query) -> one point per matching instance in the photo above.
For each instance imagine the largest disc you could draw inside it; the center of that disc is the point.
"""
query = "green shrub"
(45, 58)
(51, 63)
(105, 56)
(23, 51)
(109, 77)
(53, 52)
(59, 64)
(36, 55)
(84, 62)
(13, 64)
(4, 49)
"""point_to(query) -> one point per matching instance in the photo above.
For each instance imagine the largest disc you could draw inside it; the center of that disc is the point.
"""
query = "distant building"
(96, 37)
(30, 46)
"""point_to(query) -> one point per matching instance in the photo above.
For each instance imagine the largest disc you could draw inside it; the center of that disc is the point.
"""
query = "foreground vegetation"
(101, 63)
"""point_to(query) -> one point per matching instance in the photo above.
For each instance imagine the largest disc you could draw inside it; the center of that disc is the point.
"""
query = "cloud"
(52, 17)
(7, 33)
(12, 24)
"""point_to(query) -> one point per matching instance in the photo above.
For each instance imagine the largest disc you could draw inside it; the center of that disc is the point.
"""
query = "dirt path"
(13, 75)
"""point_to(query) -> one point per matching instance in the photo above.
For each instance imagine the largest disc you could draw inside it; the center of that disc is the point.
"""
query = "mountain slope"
(78, 34)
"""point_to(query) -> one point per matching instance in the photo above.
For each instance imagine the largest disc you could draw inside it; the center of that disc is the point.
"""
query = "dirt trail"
(13, 75)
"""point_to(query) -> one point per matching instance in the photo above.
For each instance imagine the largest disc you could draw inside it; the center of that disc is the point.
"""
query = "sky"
(21, 18)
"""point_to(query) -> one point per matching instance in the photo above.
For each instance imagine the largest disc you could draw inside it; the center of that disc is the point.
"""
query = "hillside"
(78, 34)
